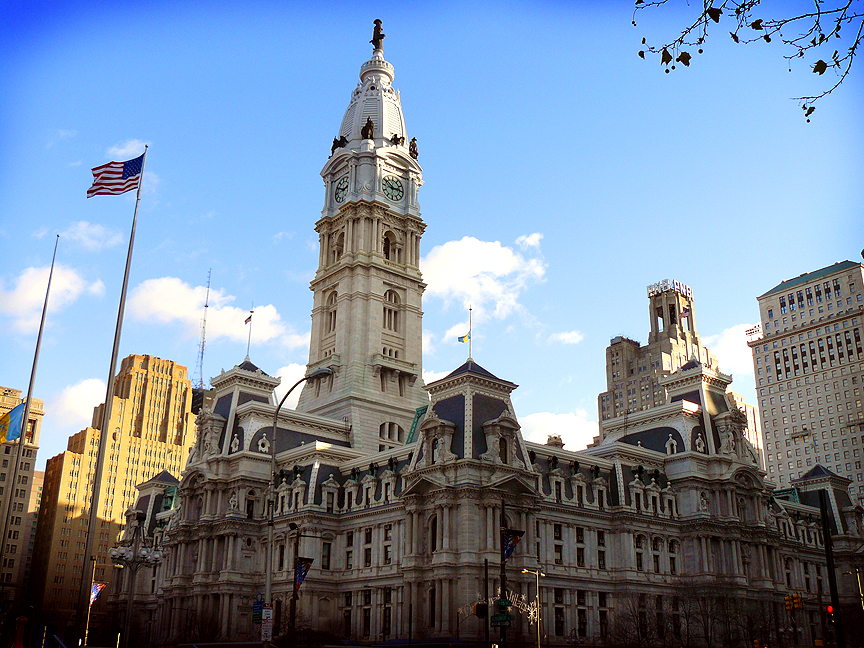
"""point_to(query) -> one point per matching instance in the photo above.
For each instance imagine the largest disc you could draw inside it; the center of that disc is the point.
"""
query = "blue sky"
(569, 172)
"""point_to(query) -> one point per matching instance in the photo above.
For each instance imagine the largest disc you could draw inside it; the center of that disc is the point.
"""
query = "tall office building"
(809, 368)
(17, 547)
(634, 371)
(151, 430)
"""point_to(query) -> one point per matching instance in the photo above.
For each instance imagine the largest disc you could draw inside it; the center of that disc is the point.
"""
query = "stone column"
(445, 540)
(439, 604)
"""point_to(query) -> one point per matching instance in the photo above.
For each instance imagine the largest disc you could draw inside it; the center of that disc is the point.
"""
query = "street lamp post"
(132, 554)
(268, 585)
(538, 574)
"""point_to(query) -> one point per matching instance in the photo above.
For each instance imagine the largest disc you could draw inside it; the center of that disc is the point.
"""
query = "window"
(331, 312)
(391, 311)
(325, 555)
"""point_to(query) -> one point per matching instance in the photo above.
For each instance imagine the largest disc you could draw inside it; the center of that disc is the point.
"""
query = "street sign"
(257, 608)
(499, 620)
(267, 623)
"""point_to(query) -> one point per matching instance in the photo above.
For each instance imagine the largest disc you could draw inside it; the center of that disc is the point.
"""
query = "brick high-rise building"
(809, 367)
(17, 547)
(151, 430)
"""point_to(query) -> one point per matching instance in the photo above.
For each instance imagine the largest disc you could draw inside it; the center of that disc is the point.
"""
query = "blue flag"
(10, 424)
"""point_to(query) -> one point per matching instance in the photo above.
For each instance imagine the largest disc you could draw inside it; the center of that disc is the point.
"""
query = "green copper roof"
(811, 276)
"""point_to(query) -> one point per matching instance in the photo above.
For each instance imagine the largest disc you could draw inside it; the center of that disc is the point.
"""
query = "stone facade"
(399, 492)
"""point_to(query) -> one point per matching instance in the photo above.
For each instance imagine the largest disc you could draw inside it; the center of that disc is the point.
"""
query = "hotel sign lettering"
(667, 285)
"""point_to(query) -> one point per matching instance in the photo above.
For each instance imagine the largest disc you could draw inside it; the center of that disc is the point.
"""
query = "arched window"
(331, 312)
(391, 311)
(250, 504)
(338, 248)
(502, 450)
(391, 432)
(390, 247)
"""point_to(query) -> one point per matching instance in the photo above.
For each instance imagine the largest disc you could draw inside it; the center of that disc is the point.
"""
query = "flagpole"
(470, 336)
(83, 597)
(249, 339)
(26, 418)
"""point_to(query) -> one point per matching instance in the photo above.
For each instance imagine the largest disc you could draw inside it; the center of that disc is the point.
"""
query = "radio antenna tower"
(200, 362)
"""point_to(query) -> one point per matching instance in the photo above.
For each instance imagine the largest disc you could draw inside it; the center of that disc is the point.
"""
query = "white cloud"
(574, 428)
(731, 349)
(568, 337)
(484, 274)
(290, 375)
(127, 150)
(24, 300)
(428, 342)
(41, 233)
(91, 237)
(169, 299)
(74, 406)
(530, 241)
(432, 376)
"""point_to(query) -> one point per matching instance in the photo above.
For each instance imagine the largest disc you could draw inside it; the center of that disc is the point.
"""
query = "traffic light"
(796, 600)
(756, 643)
(788, 601)
(481, 610)
(830, 612)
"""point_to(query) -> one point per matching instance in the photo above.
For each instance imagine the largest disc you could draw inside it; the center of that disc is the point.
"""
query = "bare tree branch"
(808, 33)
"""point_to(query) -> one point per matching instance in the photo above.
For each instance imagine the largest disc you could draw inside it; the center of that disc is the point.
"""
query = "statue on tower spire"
(378, 36)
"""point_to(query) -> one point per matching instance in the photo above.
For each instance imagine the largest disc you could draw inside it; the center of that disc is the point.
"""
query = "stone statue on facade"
(233, 502)
(397, 139)
(338, 143)
(378, 36)
(235, 443)
(368, 130)
(412, 148)
(700, 443)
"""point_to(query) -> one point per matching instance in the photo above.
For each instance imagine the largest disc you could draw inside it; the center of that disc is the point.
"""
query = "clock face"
(392, 188)
(341, 189)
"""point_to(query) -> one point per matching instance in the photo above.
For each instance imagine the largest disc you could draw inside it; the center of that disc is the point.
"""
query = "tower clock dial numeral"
(341, 189)
(392, 188)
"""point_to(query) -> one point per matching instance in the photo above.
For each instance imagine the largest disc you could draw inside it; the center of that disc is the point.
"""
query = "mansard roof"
(817, 471)
(472, 367)
(247, 365)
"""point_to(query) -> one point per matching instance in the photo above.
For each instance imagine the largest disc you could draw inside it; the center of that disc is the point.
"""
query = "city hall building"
(397, 489)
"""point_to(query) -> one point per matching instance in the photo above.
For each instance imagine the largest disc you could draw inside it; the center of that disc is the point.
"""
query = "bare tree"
(812, 33)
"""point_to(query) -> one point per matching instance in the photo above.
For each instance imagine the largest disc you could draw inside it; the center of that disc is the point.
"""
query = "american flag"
(116, 177)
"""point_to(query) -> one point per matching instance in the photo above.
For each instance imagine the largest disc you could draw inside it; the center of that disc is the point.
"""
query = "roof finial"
(378, 36)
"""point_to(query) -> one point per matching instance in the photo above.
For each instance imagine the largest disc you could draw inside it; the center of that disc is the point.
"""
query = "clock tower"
(367, 315)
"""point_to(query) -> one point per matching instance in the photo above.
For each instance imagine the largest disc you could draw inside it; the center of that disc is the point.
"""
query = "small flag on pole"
(303, 565)
(10, 424)
(510, 538)
(464, 338)
(116, 177)
(685, 312)
(95, 591)
(248, 319)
